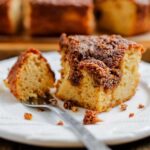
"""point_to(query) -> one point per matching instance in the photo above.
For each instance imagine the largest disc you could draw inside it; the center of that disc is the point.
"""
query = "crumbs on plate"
(74, 109)
(60, 123)
(131, 115)
(141, 106)
(70, 105)
(123, 107)
(91, 117)
(40, 109)
(28, 116)
(53, 102)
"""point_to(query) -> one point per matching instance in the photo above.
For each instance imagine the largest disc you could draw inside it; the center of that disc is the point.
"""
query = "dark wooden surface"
(138, 145)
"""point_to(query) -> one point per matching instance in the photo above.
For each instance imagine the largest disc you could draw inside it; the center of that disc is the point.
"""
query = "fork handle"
(84, 135)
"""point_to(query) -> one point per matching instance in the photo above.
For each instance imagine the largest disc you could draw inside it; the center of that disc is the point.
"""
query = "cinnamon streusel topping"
(100, 56)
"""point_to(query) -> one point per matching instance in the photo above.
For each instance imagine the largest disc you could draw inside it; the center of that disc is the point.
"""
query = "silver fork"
(89, 141)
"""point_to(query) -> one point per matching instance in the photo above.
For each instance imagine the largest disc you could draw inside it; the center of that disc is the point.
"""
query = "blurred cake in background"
(125, 17)
(52, 17)
(10, 14)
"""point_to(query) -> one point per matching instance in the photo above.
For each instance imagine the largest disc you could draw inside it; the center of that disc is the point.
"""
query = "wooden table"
(139, 145)
(15, 46)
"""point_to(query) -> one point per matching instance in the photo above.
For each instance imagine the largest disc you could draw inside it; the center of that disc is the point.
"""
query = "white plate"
(117, 127)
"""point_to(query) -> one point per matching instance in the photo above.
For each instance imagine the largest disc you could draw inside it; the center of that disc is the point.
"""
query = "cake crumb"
(123, 107)
(131, 115)
(74, 109)
(41, 109)
(53, 102)
(70, 105)
(28, 116)
(141, 106)
(91, 117)
(60, 123)
(5, 83)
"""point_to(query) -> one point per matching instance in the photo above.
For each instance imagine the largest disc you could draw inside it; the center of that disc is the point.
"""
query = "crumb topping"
(101, 56)
(28, 116)
(91, 117)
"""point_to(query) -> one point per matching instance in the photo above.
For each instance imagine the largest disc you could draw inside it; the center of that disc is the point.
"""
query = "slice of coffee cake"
(98, 72)
(31, 76)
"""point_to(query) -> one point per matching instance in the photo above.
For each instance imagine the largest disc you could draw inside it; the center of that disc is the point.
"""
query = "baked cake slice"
(31, 76)
(98, 72)
(126, 17)
(10, 14)
(53, 17)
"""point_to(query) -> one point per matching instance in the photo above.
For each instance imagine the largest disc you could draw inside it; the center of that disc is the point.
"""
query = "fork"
(89, 141)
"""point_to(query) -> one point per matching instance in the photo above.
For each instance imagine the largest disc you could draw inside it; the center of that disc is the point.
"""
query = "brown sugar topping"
(91, 117)
(28, 116)
(101, 56)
